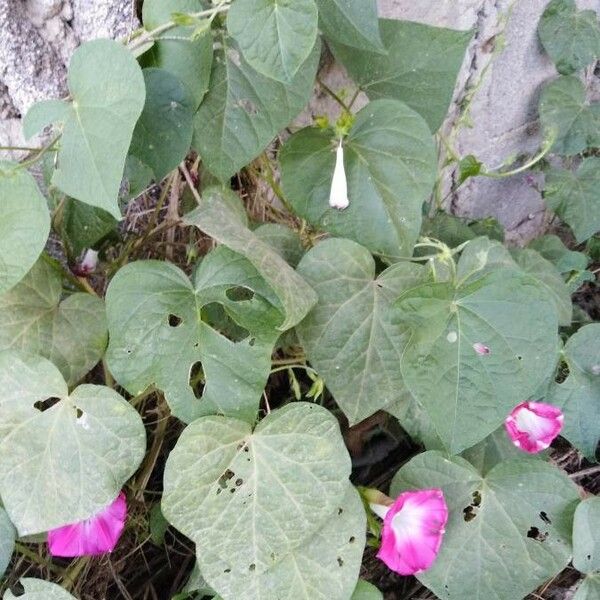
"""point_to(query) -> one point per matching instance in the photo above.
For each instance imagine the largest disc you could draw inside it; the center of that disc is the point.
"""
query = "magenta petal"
(412, 531)
(92, 537)
(532, 426)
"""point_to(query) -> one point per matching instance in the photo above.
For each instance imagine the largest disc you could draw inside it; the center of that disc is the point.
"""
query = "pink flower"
(532, 426)
(481, 349)
(413, 527)
(92, 537)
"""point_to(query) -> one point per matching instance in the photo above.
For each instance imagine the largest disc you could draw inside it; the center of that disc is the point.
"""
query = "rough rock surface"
(502, 76)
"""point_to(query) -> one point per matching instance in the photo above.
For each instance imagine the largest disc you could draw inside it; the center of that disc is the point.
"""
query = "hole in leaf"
(340, 511)
(174, 320)
(252, 341)
(43, 405)
(78, 412)
(225, 478)
(469, 513)
(252, 567)
(535, 534)
(544, 517)
(227, 571)
(589, 557)
(476, 499)
(196, 381)
(352, 540)
(239, 294)
(239, 482)
(218, 318)
(519, 357)
(340, 561)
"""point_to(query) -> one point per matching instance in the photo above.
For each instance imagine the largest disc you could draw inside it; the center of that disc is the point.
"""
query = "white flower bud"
(338, 197)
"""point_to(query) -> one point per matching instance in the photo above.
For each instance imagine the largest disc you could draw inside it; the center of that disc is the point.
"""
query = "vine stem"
(47, 148)
(151, 35)
(329, 91)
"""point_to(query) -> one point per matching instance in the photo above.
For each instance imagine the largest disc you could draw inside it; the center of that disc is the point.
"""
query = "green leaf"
(71, 333)
(569, 36)
(275, 36)
(420, 67)
(160, 330)
(186, 55)
(163, 133)
(83, 226)
(348, 337)
(586, 545)
(579, 394)
(197, 583)
(507, 532)
(283, 240)
(589, 588)
(216, 218)
(469, 167)
(108, 93)
(325, 567)
(575, 197)
(37, 589)
(467, 395)
(224, 485)
(24, 226)
(390, 162)
(351, 22)
(243, 110)
(552, 248)
(483, 255)
(545, 273)
(491, 451)
(7, 540)
(62, 463)
(366, 591)
(568, 117)
(449, 229)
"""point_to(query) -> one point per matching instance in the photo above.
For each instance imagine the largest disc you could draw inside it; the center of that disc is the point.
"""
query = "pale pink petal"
(481, 349)
(92, 537)
(412, 531)
(532, 426)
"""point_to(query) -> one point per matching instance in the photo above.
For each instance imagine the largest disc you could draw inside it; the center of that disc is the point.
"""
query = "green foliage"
(36, 589)
(187, 56)
(244, 110)
(552, 248)
(568, 118)
(586, 545)
(579, 394)
(352, 23)
(83, 226)
(163, 133)
(24, 225)
(34, 319)
(390, 160)
(574, 197)
(419, 67)
(365, 591)
(7, 540)
(91, 441)
(569, 36)
(108, 93)
(589, 588)
(359, 363)
(275, 36)
(496, 525)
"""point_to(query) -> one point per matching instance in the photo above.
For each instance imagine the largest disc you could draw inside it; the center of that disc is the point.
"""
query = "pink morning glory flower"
(94, 536)
(413, 527)
(532, 426)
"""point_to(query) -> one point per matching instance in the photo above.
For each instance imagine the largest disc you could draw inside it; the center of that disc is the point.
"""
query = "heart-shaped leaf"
(108, 92)
(325, 567)
(348, 337)
(7, 540)
(579, 394)
(507, 532)
(224, 485)
(552, 248)
(419, 67)
(37, 589)
(586, 546)
(574, 197)
(390, 162)
(24, 226)
(244, 110)
(217, 218)
(568, 118)
(180, 51)
(71, 333)
(569, 36)
(351, 22)
(163, 133)
(161, 330)
(63, 457)
(476, 350)
(275, 36)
